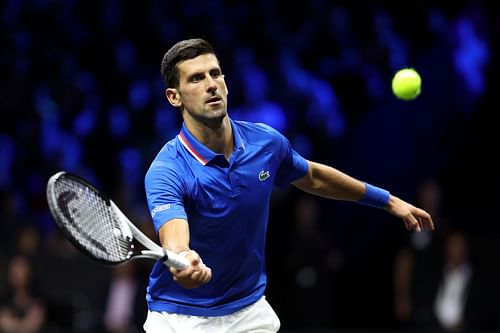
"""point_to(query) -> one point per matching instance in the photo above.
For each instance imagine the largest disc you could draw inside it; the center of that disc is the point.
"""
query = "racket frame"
(129, 230)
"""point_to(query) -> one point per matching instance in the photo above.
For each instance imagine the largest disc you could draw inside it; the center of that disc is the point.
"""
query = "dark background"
(81, 91)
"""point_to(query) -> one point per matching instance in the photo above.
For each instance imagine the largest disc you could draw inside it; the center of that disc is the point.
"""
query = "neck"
(216, 136)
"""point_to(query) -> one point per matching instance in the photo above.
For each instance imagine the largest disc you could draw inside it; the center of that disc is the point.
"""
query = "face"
(202, 91)
(19, 273)
(456, 249)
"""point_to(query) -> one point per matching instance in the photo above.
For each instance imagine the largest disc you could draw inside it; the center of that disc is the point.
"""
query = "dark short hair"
(183, 50)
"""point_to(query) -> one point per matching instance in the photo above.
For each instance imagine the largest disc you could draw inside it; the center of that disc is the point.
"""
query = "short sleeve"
(292, 166)
(164, 193)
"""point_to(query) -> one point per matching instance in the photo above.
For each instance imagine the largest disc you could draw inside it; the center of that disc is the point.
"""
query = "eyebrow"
(218, 69)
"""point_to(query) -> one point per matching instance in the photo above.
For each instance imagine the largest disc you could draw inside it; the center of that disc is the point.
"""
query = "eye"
(196, 78)
(216, 73)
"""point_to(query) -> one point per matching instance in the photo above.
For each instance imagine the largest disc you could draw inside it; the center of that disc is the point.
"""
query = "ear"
(173, 97)
(225, 85)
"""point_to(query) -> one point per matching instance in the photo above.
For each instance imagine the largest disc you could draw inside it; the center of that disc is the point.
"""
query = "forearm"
(331, 183)
(328, 182)
(174, 235)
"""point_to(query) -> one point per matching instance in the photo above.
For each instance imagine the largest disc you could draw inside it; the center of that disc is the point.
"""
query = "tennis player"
(208, 190)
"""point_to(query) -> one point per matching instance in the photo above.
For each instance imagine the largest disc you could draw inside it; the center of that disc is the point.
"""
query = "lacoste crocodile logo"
(263, 175)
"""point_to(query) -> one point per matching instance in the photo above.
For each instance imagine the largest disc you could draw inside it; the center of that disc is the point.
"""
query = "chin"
(214, 119)
(218, 114)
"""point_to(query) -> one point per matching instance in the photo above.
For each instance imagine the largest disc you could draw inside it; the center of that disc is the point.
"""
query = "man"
(208, 191)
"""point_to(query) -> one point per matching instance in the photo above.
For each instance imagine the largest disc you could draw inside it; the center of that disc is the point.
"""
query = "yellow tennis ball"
(406, 84)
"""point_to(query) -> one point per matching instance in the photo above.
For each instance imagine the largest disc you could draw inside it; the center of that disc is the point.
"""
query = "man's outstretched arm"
(328, 182)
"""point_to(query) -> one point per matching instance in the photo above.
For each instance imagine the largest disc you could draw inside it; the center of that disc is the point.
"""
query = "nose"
(211, 84)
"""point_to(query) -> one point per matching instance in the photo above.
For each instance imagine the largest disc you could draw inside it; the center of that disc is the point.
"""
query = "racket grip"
(175, 260)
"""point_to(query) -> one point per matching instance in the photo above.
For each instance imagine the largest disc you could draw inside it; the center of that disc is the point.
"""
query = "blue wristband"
(375, 197)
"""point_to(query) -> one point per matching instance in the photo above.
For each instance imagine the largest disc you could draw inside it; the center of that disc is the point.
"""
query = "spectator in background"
(28, 241)
(121, 298)
(418, 262)
(21, 311)
(467, 294)
(452, 294)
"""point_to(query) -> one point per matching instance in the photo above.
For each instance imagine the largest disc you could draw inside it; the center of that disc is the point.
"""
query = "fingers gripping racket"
(96, 226)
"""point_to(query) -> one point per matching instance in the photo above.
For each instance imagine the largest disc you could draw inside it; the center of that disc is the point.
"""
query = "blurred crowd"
(81, 91)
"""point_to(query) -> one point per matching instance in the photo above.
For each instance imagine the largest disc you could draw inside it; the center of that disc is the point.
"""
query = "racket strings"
(90, 220)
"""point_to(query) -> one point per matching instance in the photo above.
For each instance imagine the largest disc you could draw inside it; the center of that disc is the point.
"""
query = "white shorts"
(255, 318)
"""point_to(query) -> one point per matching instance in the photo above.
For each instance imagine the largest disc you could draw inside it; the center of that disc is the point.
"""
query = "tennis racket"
(97, 227)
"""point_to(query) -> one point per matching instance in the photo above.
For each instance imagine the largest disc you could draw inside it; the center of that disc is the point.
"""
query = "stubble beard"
(211, 118)
(214, 118)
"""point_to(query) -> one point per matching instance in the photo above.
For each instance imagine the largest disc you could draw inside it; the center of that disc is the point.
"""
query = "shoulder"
(168, 161)
(251, 127)
(257, 132)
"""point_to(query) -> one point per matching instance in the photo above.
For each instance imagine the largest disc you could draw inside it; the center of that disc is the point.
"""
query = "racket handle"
(175, 260)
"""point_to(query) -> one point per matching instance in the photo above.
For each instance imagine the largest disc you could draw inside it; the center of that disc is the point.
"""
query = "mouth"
(213, 100)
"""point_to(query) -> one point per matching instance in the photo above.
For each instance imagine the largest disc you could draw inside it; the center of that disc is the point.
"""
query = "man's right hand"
(195, 275)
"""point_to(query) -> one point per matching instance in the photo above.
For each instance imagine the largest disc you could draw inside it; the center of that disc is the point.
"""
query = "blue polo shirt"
(226, 204)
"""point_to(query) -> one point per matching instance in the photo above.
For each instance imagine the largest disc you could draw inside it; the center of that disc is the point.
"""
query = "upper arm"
(328, 182)
(165, 192)
(292, 165)
(305, 183)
